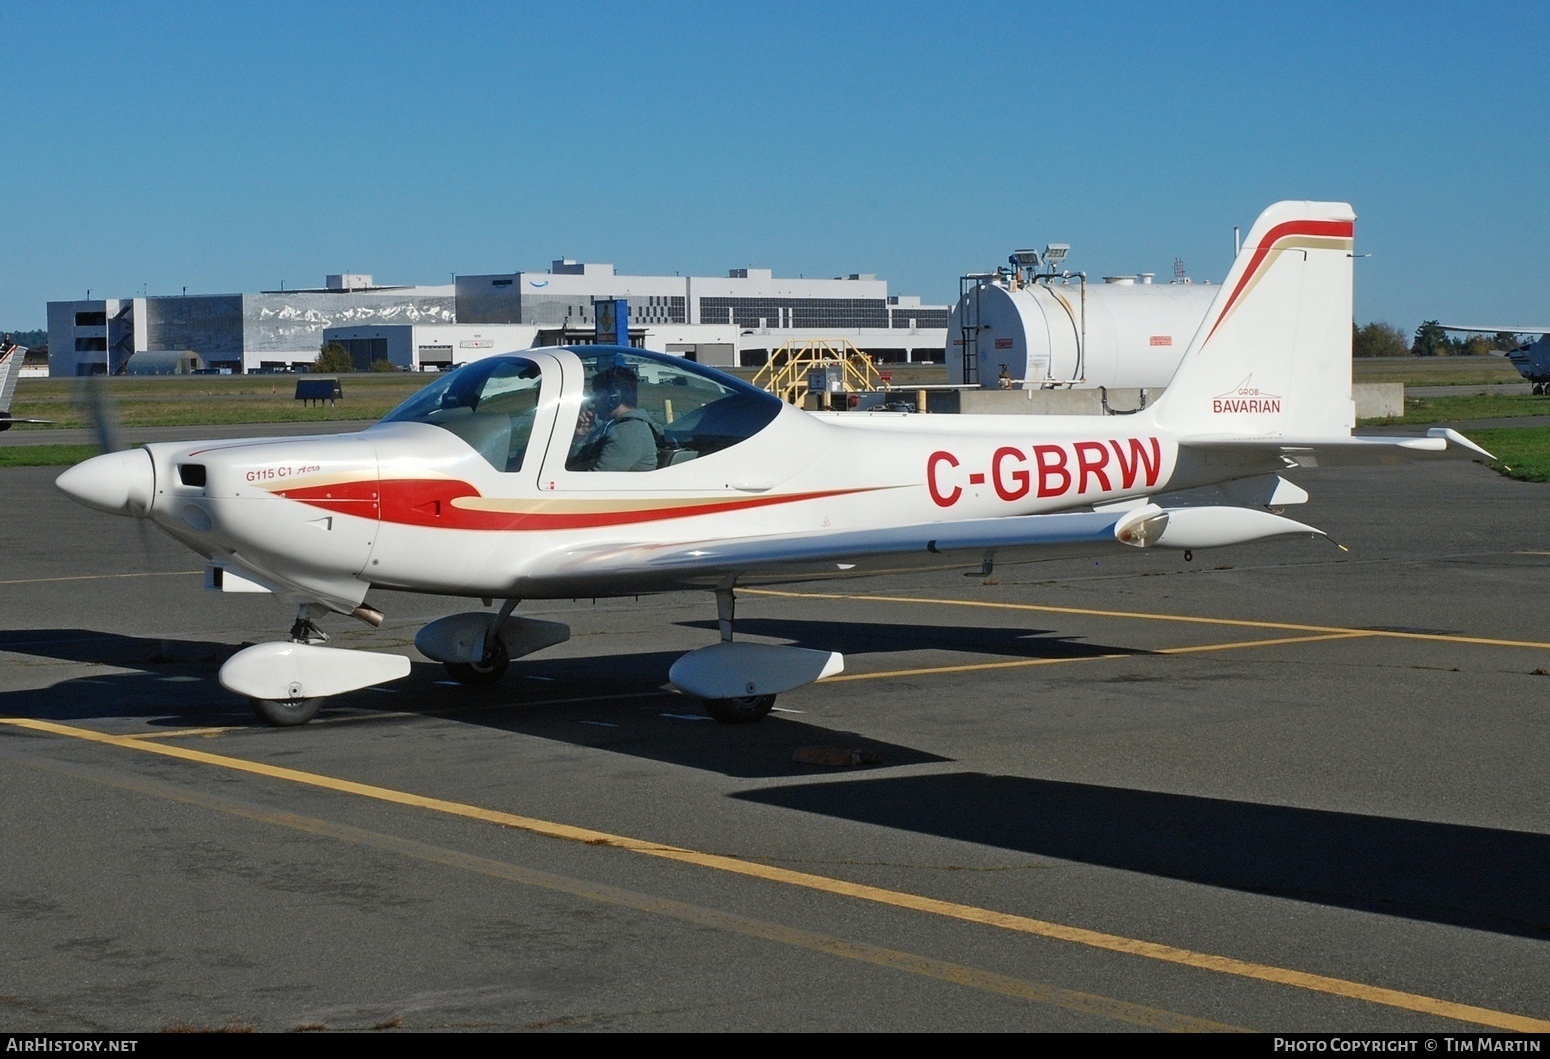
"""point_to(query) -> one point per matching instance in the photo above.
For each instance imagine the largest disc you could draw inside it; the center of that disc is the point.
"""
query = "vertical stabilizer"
(10, 370)
(1273, 356)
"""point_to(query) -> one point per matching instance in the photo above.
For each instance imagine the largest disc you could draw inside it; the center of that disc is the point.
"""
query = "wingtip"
(1455, 438)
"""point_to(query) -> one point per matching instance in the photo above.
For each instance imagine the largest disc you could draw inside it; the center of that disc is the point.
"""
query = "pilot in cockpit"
(612, 433)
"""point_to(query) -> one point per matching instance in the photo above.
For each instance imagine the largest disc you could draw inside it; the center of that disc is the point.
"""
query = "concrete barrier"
(1376, 400)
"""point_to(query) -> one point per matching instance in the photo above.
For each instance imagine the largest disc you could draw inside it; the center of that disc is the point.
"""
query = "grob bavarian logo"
(1246, 397)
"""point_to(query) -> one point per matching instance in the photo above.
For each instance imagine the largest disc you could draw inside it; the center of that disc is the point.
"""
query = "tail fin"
(1273, 356)
(10, 370)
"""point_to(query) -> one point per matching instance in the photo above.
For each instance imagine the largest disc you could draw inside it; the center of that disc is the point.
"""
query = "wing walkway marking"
(949, 909)
(1156, 1019)
(1190, 619)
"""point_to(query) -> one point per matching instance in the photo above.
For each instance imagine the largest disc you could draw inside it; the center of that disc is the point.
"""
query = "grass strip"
(1521, 452)
(1419, 410)
(44, 455)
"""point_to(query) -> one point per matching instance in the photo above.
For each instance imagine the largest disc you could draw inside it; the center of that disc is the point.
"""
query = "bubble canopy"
(491, 403)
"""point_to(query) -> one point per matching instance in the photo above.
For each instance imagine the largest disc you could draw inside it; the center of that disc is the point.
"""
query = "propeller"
(104, 414)
(108, 427)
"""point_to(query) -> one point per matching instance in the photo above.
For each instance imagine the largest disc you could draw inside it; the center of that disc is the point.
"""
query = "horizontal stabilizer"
(1342, 452)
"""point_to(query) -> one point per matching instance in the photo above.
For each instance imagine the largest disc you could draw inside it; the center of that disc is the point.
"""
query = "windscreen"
(490, 404)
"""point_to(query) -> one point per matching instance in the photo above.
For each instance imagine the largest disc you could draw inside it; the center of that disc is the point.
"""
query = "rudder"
(1273, 355)
(10, 370)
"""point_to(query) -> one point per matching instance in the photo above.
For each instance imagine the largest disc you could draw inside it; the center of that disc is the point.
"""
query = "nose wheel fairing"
(293, 673)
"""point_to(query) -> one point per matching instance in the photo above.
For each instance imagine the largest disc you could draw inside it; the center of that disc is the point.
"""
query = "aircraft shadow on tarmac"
(620, 704)
(1474, 877)
(172, 681)
(871, 638)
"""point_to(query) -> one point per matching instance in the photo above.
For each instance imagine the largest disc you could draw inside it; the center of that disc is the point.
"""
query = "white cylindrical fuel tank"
(1115, 334)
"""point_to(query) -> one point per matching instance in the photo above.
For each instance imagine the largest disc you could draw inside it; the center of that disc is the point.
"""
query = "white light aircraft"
(11, 357)
(497, 482)
(1532, 359)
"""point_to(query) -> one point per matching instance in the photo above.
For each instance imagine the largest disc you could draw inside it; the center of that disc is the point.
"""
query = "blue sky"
(235, 147)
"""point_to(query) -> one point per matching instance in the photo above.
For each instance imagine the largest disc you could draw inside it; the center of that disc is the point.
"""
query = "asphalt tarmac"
(1283, 787)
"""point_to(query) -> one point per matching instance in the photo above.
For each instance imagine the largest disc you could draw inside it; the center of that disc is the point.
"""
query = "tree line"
(1430, 340)
(335, 359)
(30, 339)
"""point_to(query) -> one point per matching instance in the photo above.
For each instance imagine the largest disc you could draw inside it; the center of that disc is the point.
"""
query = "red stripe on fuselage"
(431, 502)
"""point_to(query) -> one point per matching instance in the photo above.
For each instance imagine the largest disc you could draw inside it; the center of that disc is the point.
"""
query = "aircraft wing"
(1499, 330)
(621, 568)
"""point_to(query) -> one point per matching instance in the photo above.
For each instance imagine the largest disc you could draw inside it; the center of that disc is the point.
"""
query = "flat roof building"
(737, 319)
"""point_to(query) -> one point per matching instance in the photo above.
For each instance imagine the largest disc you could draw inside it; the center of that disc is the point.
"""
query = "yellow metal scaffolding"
(792, 363)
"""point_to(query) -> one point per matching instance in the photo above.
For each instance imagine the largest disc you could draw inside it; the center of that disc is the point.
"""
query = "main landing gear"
(738, 682)
(288, 681)
(494, 658)
(477, 647)
(744, 709)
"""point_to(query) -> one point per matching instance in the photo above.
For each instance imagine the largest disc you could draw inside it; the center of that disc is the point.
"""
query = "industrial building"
(236, 332)
(737, 319)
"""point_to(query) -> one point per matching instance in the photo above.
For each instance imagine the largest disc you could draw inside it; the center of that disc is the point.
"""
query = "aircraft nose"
(121, 483)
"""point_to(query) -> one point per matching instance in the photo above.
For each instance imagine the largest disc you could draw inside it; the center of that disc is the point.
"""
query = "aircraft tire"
(286, 714)
(744, 710)
(481, 673)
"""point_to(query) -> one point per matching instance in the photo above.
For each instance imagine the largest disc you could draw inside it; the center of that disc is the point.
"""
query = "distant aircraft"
(11, 357)
(574, 472)
(1532, 359)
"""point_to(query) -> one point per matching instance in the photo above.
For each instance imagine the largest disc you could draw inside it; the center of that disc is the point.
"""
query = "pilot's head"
(615, 388)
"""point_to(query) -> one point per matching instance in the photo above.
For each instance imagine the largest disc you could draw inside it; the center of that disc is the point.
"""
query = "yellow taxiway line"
(1019, 663)
(1242, 623)
(966, 913)
(183, 733)
(1151, 1018)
